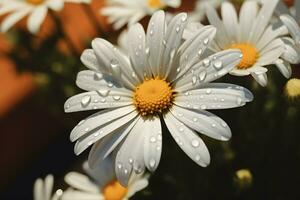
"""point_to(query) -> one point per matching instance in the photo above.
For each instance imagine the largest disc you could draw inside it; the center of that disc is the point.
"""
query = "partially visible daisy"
(259, 40)
(159, 78)
(36, 10)
(43, 189)
(199, 12)
(120, 12)
(101, 184)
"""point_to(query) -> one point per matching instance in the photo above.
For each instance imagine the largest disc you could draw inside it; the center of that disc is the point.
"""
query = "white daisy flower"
(101, 184)
(258, 39)
(43, 189)
(36, 10)
(161, 79)
(290, 17)
(121, 12)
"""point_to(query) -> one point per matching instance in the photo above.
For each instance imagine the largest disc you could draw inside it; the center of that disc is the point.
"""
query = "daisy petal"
(13, 18)
(261, 78)
(93, 136)
(136, 47)
(136, 186)
(152, 143)
(271, 53)
(230, 20)
(115, 61)
(172, 3)
(248, 13)
(93, 81)
(36, 19)
(89, 59)
(192, 49)
(104, 147)
(155, 36)
(38, 190)
(291, 51)
(78, 195)
(203, 122)
(10, 7)
(97, 120)
(106, 98)
(172, 42)
(292, 26)
(215, 96)
(56, 5)
(48, 186)
(130, 157)
(209, 69)
(188, 140)
(262, 20)
(284, 67)
(214, 20)
(81, 182)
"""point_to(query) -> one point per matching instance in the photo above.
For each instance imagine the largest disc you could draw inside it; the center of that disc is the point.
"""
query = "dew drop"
(152, 139)
(239, 101)
(195, 119)
(130, 160)
(197, 158)
(206, 62)
(119, 166)
(208, 91)
(116, 97)
(203, 107)
(195, 143)
(103, 93)
(202, 75)
(181, 129)
(85, 100)
(218, 64)
(194, 80)
(151, 32)
(152, 163)
(177, 29)
(206, 41)
(98, 76)
(159, 137)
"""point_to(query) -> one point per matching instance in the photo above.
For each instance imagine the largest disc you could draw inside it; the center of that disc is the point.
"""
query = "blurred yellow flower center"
(156, 4)
(35, 2)
(153, 96)
(114, 191)
(292, 88)
(250, 54)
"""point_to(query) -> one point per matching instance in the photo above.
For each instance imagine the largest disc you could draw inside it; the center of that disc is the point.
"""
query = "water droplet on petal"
(208, 91)
(130, 160)
(197, 158)
(152, 163)
(103, 93)
(203, 107)
(206, 41)
(85, 100)
(195, 119)
(116, 97)
(206, 62)
(194, 80)
(152, 139)
(202, 75)
(98, 76)
(195, 143)
(218, 64)
(177, 29)
(239, 101)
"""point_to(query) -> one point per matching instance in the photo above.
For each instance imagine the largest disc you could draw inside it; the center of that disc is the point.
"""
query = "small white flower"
(259, 40)
(43, 189)
(122, 12)
(36, 10)
(101, 184)
(160, 78)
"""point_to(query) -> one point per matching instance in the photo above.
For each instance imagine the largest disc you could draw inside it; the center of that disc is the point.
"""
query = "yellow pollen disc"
(292, 88)
(35, 2)
(153, 97)
(156, 4)
(114, 191)
(250, 55)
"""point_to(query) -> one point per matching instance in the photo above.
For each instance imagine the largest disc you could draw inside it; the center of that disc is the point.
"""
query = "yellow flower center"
(292, 88)
(156, 4)
(114, 191)
(35, 2)
(153, 97)
(250, 54)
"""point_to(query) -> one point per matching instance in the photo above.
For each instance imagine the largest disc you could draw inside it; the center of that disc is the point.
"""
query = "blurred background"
(37, 74)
